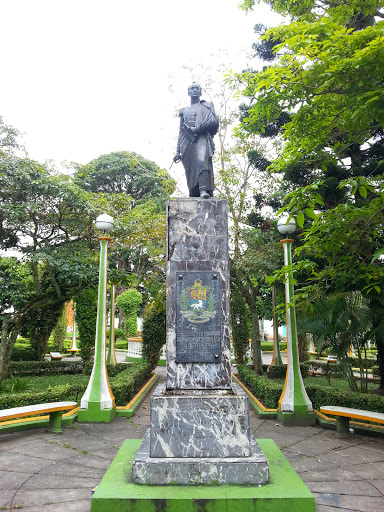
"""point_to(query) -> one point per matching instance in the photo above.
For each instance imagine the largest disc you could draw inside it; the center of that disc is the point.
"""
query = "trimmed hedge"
(124, 386)
(269, 391)
(267, 346)
(279, 372)
(57, 394)
(326, 367)
(127, 383)
(112, 369)
(23, 353)
(45, 367)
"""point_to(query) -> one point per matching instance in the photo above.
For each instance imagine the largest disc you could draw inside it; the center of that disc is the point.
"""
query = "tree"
(48, 221)
(154, 330)
(86, 315)
(130, 301)
(322, 96)
(327, 75)
(60, 331)
(126, 173)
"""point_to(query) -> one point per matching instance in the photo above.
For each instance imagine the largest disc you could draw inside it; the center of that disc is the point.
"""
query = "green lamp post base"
(96, 415)
(296, 419)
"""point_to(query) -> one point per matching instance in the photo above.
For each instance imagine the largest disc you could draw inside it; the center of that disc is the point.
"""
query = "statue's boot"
(204, 193)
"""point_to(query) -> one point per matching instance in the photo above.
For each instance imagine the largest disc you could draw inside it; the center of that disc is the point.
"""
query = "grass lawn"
(43, 382)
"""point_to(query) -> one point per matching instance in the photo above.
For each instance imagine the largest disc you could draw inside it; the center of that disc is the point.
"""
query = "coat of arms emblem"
(197, 303)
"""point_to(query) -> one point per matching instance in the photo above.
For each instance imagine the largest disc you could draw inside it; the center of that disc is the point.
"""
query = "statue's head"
(194, 90)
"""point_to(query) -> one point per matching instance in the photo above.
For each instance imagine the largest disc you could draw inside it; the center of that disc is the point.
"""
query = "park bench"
(54, 409)
(55, 356)
(344, 414)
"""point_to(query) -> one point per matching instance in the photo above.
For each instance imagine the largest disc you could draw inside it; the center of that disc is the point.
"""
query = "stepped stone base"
(252, 470)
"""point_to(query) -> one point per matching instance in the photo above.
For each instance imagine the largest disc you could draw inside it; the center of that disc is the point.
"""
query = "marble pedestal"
(199, 430)
(252, 470)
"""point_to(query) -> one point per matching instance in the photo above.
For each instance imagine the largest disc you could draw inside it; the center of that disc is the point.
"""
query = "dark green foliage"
(126, 173)
(23, 353)
(129, 302)
(127, 383)
(326, 367)
(121, 344)
(40, 327)
(279, 372)
(154, 334)
(265, 390)
(112, 369)
(60, 331)
(240, 332)
(86, 314)
(131, 325)
(118, 334)
(57, 394)
(45, 367)
(269, 392)
(268, 346)
(124, 387)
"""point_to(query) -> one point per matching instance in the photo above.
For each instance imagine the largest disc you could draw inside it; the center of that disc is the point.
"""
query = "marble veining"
(198, 425)
(252, 470)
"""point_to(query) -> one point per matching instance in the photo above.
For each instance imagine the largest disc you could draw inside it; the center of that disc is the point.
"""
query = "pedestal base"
(252, 470)
(96, 415)
(292, 419)
(286, 491)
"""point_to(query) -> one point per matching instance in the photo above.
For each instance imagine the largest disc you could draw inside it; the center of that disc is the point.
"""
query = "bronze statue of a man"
(195, 146)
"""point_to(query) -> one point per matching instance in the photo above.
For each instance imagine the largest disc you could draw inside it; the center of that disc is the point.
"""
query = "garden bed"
(268, 391)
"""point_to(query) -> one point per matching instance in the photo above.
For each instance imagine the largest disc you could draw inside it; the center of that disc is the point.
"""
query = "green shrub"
(266, 390)
(121, 344)
(240, 333)
(269, 392)
(86, 314)
(60, 332)
(23, 353)
(55, 394)
(124, 386)
(127, 383)
(375, 371)
(268, 346)
(129, 302)
(17, 384)
(369, 363)
(154, 332)
(326, 367)
(45, 367)
(279, 372)
(118, 334)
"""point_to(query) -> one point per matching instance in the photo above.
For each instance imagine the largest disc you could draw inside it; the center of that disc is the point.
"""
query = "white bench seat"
(344, 414)
(54, 409)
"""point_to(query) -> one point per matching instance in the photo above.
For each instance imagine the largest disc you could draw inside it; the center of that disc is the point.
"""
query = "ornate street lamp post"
(98, 404)
(294, 406)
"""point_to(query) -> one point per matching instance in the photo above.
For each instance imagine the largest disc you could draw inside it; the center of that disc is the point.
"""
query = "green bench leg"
(55, 422)
(342, 426)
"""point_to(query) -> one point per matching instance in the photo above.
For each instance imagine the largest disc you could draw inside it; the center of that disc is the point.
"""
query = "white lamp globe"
(283, 227)
(104, 223)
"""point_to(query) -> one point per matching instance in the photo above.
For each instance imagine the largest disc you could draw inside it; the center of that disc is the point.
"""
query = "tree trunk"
(8, 340)
(256, 344)
(380, 359)
(303, 347)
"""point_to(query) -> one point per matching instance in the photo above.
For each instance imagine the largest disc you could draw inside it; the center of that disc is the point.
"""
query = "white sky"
(81, 78)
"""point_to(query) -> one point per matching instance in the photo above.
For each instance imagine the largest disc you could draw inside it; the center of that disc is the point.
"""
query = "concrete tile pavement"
(45, 472)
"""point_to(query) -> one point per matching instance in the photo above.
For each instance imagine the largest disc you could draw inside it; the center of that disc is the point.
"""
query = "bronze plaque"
(198, 317)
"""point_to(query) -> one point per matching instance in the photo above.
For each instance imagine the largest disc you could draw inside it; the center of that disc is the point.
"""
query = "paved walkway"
(42, 472)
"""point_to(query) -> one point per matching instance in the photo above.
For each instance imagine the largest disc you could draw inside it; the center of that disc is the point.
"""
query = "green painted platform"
(285, 492)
